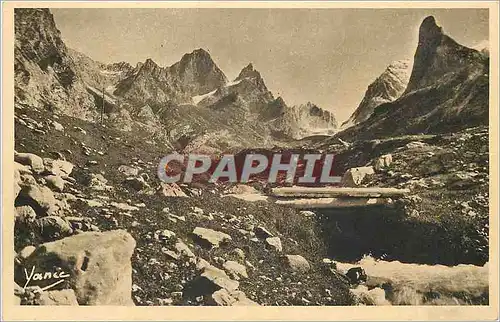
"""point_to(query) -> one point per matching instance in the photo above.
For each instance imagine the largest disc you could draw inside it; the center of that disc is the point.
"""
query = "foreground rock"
(62, 297)
(225, 298)
(209, 237)
(171, 190)
(51, 227)
(236, 270)
(297, 263)
(275, 243)
(209, 281)
(30, 159)
(59, 167)
(40, 198)
(98, 265)
(355, 176)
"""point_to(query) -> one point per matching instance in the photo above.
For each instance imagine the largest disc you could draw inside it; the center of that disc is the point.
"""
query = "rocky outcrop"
(248, 92)
(210, 238)
(297, 263)
(248, 98)
(195, 74)
(448, 91)
(45, 74)
(386, 88)
(354, 176)
(438, 55)
(97, 265)
(308, 119)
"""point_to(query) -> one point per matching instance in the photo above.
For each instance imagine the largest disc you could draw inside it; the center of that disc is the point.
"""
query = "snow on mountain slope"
(386, 88)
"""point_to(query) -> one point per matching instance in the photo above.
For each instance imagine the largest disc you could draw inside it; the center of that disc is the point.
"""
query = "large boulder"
(171, 190)
(54, 227)
(274, 243)
(61, 168)
(225, 298)
(297, 263)
(355, 176)
(40, 198)
(30, 159)
(235, 269)
(55, 182)
(209, 281)
(97, 264)
(209, 238)
(58, 297)
(25, 214)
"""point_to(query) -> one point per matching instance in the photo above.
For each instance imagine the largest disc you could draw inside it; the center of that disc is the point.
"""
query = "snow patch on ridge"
(198, 98)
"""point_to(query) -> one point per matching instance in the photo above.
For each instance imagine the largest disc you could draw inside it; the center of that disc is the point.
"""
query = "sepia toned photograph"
(246, 156)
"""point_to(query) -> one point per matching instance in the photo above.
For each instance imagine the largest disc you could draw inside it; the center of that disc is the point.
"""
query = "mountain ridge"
(448, 91)
(387, 87)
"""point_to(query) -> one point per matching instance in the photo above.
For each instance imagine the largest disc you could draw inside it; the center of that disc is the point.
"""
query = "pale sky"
(326, 56)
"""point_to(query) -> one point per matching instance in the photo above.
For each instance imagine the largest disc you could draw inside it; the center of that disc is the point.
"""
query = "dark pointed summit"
(149, 64)
(429, 31)
(437, 54)
(248, 72)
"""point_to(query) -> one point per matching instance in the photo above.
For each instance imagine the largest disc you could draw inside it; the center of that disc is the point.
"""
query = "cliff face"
(438, 55)
(45, 74)
(386, 88)
(448, 90)
(299, 121)
(195, 74)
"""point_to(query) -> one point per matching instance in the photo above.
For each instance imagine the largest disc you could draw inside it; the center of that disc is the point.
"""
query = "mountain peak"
(429, 30)
(248, 72)
(438, 54)
(149, 64)
(197, 55)
(201, 52)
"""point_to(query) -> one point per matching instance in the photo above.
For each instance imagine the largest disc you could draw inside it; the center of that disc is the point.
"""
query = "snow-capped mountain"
(386, 88)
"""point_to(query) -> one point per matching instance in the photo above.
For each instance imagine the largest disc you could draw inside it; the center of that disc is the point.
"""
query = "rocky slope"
(448, 90)
(45, 73)
(386, 88)
(79, 185)
(99, 75)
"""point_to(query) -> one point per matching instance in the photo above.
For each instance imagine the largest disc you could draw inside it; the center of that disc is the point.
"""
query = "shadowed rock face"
(436, 55)
(448, 90)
